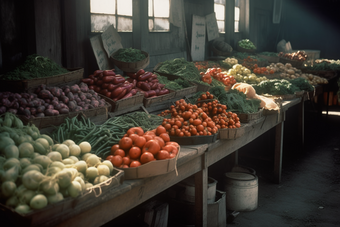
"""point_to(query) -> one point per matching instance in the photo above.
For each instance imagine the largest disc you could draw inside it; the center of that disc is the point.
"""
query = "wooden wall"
(60, 29)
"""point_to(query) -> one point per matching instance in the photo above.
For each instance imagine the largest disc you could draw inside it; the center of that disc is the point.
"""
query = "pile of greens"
(185, 69)
(176, 84)
(244, 55)
(129, 55)
(302, 84)
(325, 64)
(35, 66)
(235, 100)
(275, 87)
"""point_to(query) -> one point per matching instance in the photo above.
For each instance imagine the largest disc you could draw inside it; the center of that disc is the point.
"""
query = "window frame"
(116, 15)
(153, 19)
(224, 21)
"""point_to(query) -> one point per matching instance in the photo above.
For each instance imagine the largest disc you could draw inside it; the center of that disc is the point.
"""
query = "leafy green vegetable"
(235, 100)
(129, 55)
(176, 84)
(302, 84)
(275, 87)
(35, 66)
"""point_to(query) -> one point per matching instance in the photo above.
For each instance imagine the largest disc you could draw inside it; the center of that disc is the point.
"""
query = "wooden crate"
(157, 100)
(128, 104)
(247, 117)
(65, 209)
(72, 77)
(270, 59)
(47, 122)
(186, 91)
(296, 64)
(232, 133)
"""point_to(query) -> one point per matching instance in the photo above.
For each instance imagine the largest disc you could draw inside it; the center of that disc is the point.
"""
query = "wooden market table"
(193, 160)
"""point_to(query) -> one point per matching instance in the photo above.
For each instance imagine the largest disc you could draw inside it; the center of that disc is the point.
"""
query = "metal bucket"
(188, 194)
(241, 191)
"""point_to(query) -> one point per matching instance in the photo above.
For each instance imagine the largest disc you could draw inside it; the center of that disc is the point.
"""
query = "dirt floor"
(309, 193)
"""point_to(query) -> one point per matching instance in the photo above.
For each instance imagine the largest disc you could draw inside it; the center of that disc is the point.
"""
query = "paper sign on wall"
(99, 52)
(111, 40)
(198, 38)
(212, 28)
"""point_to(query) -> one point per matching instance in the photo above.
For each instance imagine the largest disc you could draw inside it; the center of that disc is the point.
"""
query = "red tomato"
(125, 143)
(163, 154)
(109, 157)
(136, 130)
(119, 152)
(114, 148)
(148, 137)
(151, 146)
(159, 130)
(134, 152)
(117, 160)
(139, 141)
(165, 137)
(126, 160)
(160, 141)
(146, 157)
(135, 164)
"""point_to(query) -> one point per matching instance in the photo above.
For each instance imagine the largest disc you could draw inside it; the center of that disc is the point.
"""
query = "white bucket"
(189, 193)
(241, 191)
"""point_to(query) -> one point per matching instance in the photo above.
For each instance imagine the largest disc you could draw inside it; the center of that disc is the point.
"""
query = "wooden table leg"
(278, 152)
(201, 195)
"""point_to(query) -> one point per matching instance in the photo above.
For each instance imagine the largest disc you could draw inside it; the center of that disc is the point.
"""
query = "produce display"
(276, 87)
(148, 83)
(34, 66)
(188, 119)
(129, 55)
(296, 56)
(35, 172)
(287, 71)
(51, 101)
(175, 85)
(231, 61)
(138, 147)
(269, 54)
(217, 74)
(246, 44)
(186, 70)
(324, 64)
(103, 137)
(235, 100)
(243, 74)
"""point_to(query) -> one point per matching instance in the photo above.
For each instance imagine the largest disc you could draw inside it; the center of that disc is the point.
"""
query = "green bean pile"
(103, 137)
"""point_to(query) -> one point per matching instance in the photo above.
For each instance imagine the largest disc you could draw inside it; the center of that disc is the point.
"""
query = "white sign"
(111, 40)
(198, 38)
(212, 28)
(99, 53)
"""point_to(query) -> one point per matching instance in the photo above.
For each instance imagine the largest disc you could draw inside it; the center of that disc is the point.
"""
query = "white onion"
(8, 188)
(55, 198)
(92, 160)
(23, 209)
(103, 170)
(74, 189)
(38, 202)
(32, 179)
(91, 173)
(43, 160)
(81, 166)
(55, 156)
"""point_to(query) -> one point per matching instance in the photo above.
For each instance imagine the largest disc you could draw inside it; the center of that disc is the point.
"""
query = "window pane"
(100, 23)
(237, 13)
(161, 8)
(103, 6)
(220, 1)
(124, 7)
(237, 3)
(161, 24)
(150, 6)
(124, 24)
(236, 28)
(150, 24)
(220, 25)
(219, 11)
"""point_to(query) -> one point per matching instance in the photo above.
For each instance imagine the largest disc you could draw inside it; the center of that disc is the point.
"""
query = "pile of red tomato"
(138, 147)
(217, 74)
(187, 120)
(217, 112)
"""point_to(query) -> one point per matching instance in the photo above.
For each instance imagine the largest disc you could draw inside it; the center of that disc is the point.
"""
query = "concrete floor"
(309, 193)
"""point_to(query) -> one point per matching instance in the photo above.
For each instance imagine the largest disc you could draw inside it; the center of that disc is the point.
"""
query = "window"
(111, 12)
(237, 16)
(219, 8)
(159, 11)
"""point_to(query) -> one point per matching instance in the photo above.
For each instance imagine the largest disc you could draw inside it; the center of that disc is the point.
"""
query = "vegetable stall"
(68, 152)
